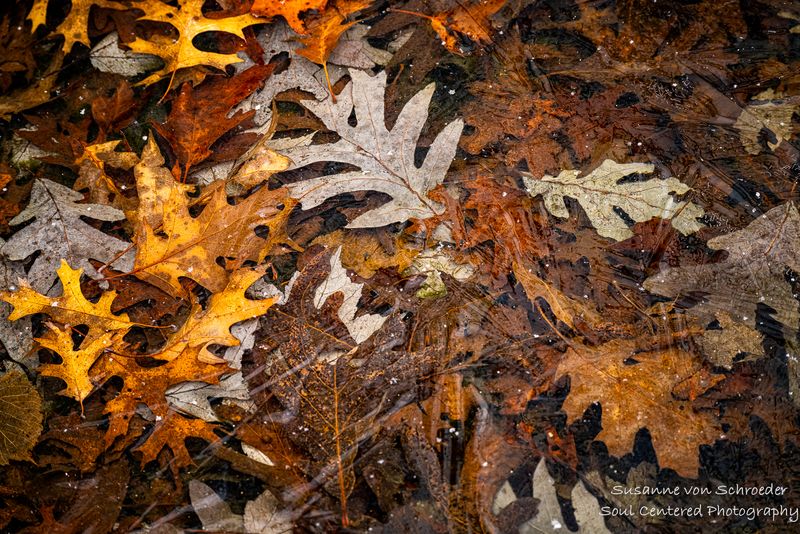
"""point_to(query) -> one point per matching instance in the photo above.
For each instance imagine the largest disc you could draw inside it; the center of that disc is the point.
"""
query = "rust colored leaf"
(637, 394)
(200, 116)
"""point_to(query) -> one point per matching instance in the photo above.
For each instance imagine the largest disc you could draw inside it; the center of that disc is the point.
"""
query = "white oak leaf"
(385, 157)
(600, 191)
(59, 233)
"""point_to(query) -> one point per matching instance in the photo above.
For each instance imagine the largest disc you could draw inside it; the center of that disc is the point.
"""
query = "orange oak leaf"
(325, 30)
(635, 391)
(290, 10)
(185, 358)
(199, 117)
(470, 19)
(173, 244)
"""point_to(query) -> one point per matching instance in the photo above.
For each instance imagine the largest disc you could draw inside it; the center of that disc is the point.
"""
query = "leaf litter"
(340, 265)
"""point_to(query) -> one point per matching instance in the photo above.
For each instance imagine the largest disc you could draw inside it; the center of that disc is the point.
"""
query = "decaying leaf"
(33, 95)
(173, 244)
(757, 258)
(548, 517)
(58, 233)
(385, 158)
(187, 360)
(600, 191)
(638, 394)
(92, 173)
(16, 336)
(775, 116)
(200, 116)
(261, 515)
(192, 397)
(21, 423)
(338, 281)
(107, 56)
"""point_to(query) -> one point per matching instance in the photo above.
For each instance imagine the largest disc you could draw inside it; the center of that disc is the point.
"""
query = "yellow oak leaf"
(71, 308)
(75, 26)
(75, 365)
(211, 325)
(190, 22)
(173, 244)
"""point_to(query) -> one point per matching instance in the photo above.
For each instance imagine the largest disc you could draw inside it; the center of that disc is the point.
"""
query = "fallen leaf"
(600, 191)
(21, 423)
(189, 20)
(549, 518)
(92, 173)
(290, 10)
(200, 116)
(71, 308)
(75, 364)
(75, 27)
(187, 359)
(338, 281)
(385, 158)
(59, 233)
(173, 244)
(33, 95)
(261, 515)
(636, 395)
(107, 56)
(757, 258)
(325, 30)
(772, 115)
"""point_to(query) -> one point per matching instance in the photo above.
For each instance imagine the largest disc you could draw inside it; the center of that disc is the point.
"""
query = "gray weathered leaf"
(214, 513)
(599, 192)
(16, 336)
(261, 515)
(549, 518)
(360, 327)
(352, 51)
(59, 233)
(757, 258)
(107, 56)
(752, 274)
(385, 158)
(772, 115)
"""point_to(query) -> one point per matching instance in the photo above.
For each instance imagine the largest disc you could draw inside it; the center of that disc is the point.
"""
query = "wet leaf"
(600, 191)
(636, 395)
(173, 244)
(385, 158)
(58, 233)
(21, 423)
